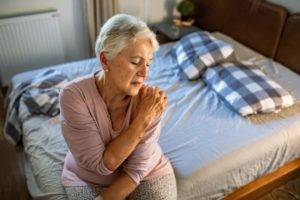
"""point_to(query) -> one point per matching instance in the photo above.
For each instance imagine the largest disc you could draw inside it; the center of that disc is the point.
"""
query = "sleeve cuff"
(103, 169)
(133, 175)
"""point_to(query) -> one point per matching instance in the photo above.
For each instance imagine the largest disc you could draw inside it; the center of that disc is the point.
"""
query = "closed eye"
(140, 62)
(134, 63)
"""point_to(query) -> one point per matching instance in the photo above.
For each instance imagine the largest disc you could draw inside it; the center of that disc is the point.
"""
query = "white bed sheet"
(212, 149)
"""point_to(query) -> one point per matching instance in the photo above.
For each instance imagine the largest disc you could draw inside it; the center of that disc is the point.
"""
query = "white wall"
(158, 10)
(72, 22)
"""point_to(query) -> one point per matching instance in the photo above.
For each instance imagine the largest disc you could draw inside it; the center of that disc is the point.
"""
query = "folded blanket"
(39, 95)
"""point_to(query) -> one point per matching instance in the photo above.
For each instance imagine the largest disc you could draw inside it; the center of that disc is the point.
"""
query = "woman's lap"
(160, 188)
(83, 192)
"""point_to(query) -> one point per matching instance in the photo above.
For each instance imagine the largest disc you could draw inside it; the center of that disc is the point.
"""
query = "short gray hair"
(119, 31)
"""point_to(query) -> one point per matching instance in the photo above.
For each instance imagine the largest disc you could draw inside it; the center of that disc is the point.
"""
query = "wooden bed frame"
(267, 183)
(270, 30)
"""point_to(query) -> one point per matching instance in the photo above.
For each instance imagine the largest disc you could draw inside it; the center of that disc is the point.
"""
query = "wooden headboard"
(288, 52)
(261, 25)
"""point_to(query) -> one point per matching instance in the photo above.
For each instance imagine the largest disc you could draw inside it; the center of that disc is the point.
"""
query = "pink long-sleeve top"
(87, 129)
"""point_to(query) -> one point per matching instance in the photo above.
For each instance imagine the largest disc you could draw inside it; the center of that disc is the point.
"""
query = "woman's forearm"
(120, 188)
(122, 146)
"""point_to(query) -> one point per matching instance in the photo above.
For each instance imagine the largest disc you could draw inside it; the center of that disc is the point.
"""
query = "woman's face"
(129, 69)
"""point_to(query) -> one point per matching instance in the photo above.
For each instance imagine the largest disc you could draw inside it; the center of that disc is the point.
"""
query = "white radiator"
(29, 42)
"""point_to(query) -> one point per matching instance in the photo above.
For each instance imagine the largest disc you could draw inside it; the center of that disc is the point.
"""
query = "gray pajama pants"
(160, 188)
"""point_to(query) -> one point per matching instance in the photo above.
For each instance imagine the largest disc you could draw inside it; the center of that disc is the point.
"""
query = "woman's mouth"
(137, 83)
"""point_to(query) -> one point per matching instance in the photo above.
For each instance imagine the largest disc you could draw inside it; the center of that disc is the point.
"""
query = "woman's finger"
(161, 93)
(157, 93)
(143, 92)
(150, 91)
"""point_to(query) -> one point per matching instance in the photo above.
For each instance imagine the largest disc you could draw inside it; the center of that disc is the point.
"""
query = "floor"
(290, 191)
(12, 180)
(13, 186)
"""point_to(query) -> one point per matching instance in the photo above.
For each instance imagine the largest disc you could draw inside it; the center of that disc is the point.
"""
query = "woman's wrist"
(138, 127)
(108, 195)
(120, 188)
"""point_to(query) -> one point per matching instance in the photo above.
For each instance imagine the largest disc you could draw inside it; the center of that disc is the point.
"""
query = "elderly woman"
(111, 121)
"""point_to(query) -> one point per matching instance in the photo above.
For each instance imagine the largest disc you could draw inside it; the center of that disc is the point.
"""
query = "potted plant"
(186, 9)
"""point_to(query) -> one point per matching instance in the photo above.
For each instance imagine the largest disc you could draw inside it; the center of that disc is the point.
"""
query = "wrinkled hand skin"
(152, 103)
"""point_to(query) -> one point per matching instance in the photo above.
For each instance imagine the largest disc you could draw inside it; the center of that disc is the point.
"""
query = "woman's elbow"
(110, 161)
(103, 166)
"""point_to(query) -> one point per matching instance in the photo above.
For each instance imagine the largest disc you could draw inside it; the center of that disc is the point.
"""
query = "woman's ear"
(103, 60)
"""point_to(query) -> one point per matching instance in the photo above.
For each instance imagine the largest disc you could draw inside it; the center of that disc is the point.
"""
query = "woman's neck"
(113, 98)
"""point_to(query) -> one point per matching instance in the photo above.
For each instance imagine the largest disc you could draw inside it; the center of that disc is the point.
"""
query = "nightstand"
(167, 31)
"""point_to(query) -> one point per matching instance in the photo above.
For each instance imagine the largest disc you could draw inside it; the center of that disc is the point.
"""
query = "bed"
(215, 152)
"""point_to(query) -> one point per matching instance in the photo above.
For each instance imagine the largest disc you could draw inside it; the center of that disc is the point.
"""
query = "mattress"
(213, 150)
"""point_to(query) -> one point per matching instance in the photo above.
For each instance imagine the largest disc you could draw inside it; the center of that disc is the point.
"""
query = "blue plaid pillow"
(246, 89)
(199, 50)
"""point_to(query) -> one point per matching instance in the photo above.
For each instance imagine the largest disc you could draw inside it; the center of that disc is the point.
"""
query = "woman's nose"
(143, 70)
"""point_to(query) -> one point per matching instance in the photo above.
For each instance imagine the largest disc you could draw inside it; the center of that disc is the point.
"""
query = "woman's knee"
(160, 188)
